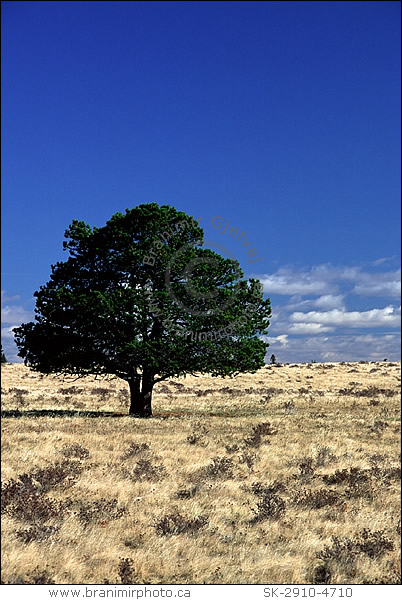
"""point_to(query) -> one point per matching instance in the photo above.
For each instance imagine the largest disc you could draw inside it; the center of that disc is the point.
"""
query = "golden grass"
(321, 425)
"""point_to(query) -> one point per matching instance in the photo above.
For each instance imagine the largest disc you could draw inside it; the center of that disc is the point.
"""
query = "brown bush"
(135, 449)
(220, 468)
(187, 493)
(270, 506)
(65, 473)
(75, 451)
(100, 511)
(175, 524)
(144, 470)
(126, 572)
(37, 533)
(371, 543)
(258, 432)
(317, 498)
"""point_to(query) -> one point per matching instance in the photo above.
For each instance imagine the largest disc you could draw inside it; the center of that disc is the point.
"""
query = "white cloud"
(279, 339)
(7, 333)
(327, 280)
(389, 289)
(309, 328)
(329, 301)
(288, 282)
(15, 315)
(386, 284)
(5, 298)
(325, 301)
(376, 317)
(381, 261)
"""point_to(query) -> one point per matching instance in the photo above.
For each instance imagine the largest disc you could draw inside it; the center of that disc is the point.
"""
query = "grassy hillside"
(290, 475)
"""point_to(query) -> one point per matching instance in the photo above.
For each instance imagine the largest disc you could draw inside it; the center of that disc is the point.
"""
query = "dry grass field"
(290, 475)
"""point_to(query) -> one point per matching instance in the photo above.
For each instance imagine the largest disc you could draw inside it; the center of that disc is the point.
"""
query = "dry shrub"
(37, 533)
(220, 468)
(258, 432)
(351, 476)
(270, 506)
(359, 482)
(376, 459)
(306, 468)
(201, 393)
(126, 572)
(199, 432)
(65, 473)
(270, 393)
(187, 493)
(22, 500)
(100, 511)
(175, 524)
(232, 449)
(12, 490)
(19, 395)
(163, 389)
(179, 386)
(359, 489)
(193, 438)
(258, 489)
(289, 407)
(71, 390)
(248, 458)
(144, 470)
(370, 392)
(36, 577)
(385, 474)
(317, 498)
(135, 450)
(321, 574)
(226, 390)
(378, 427)
(392, 577)
(304, 390)
(102, 392)
(325, 457)
(371, 543)
(75, 451)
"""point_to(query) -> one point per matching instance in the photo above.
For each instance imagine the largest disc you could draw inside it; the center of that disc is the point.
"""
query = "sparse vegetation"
(304, 496)
(175, 524)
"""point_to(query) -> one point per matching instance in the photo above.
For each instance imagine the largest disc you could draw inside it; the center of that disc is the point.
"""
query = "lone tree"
(3, 356)
(141, 299)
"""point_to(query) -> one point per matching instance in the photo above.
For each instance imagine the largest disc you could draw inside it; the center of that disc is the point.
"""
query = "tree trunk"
(140, 400)
(146, 393)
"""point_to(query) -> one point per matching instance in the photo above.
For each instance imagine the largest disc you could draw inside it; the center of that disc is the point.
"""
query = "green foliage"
(121, 304)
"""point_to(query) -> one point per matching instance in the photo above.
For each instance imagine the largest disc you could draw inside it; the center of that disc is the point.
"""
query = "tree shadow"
(50, 412)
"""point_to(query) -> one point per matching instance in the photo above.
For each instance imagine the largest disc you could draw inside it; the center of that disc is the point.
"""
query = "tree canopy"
(140, 298)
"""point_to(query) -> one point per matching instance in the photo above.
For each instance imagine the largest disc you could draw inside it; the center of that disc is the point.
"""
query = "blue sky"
(282, 118)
